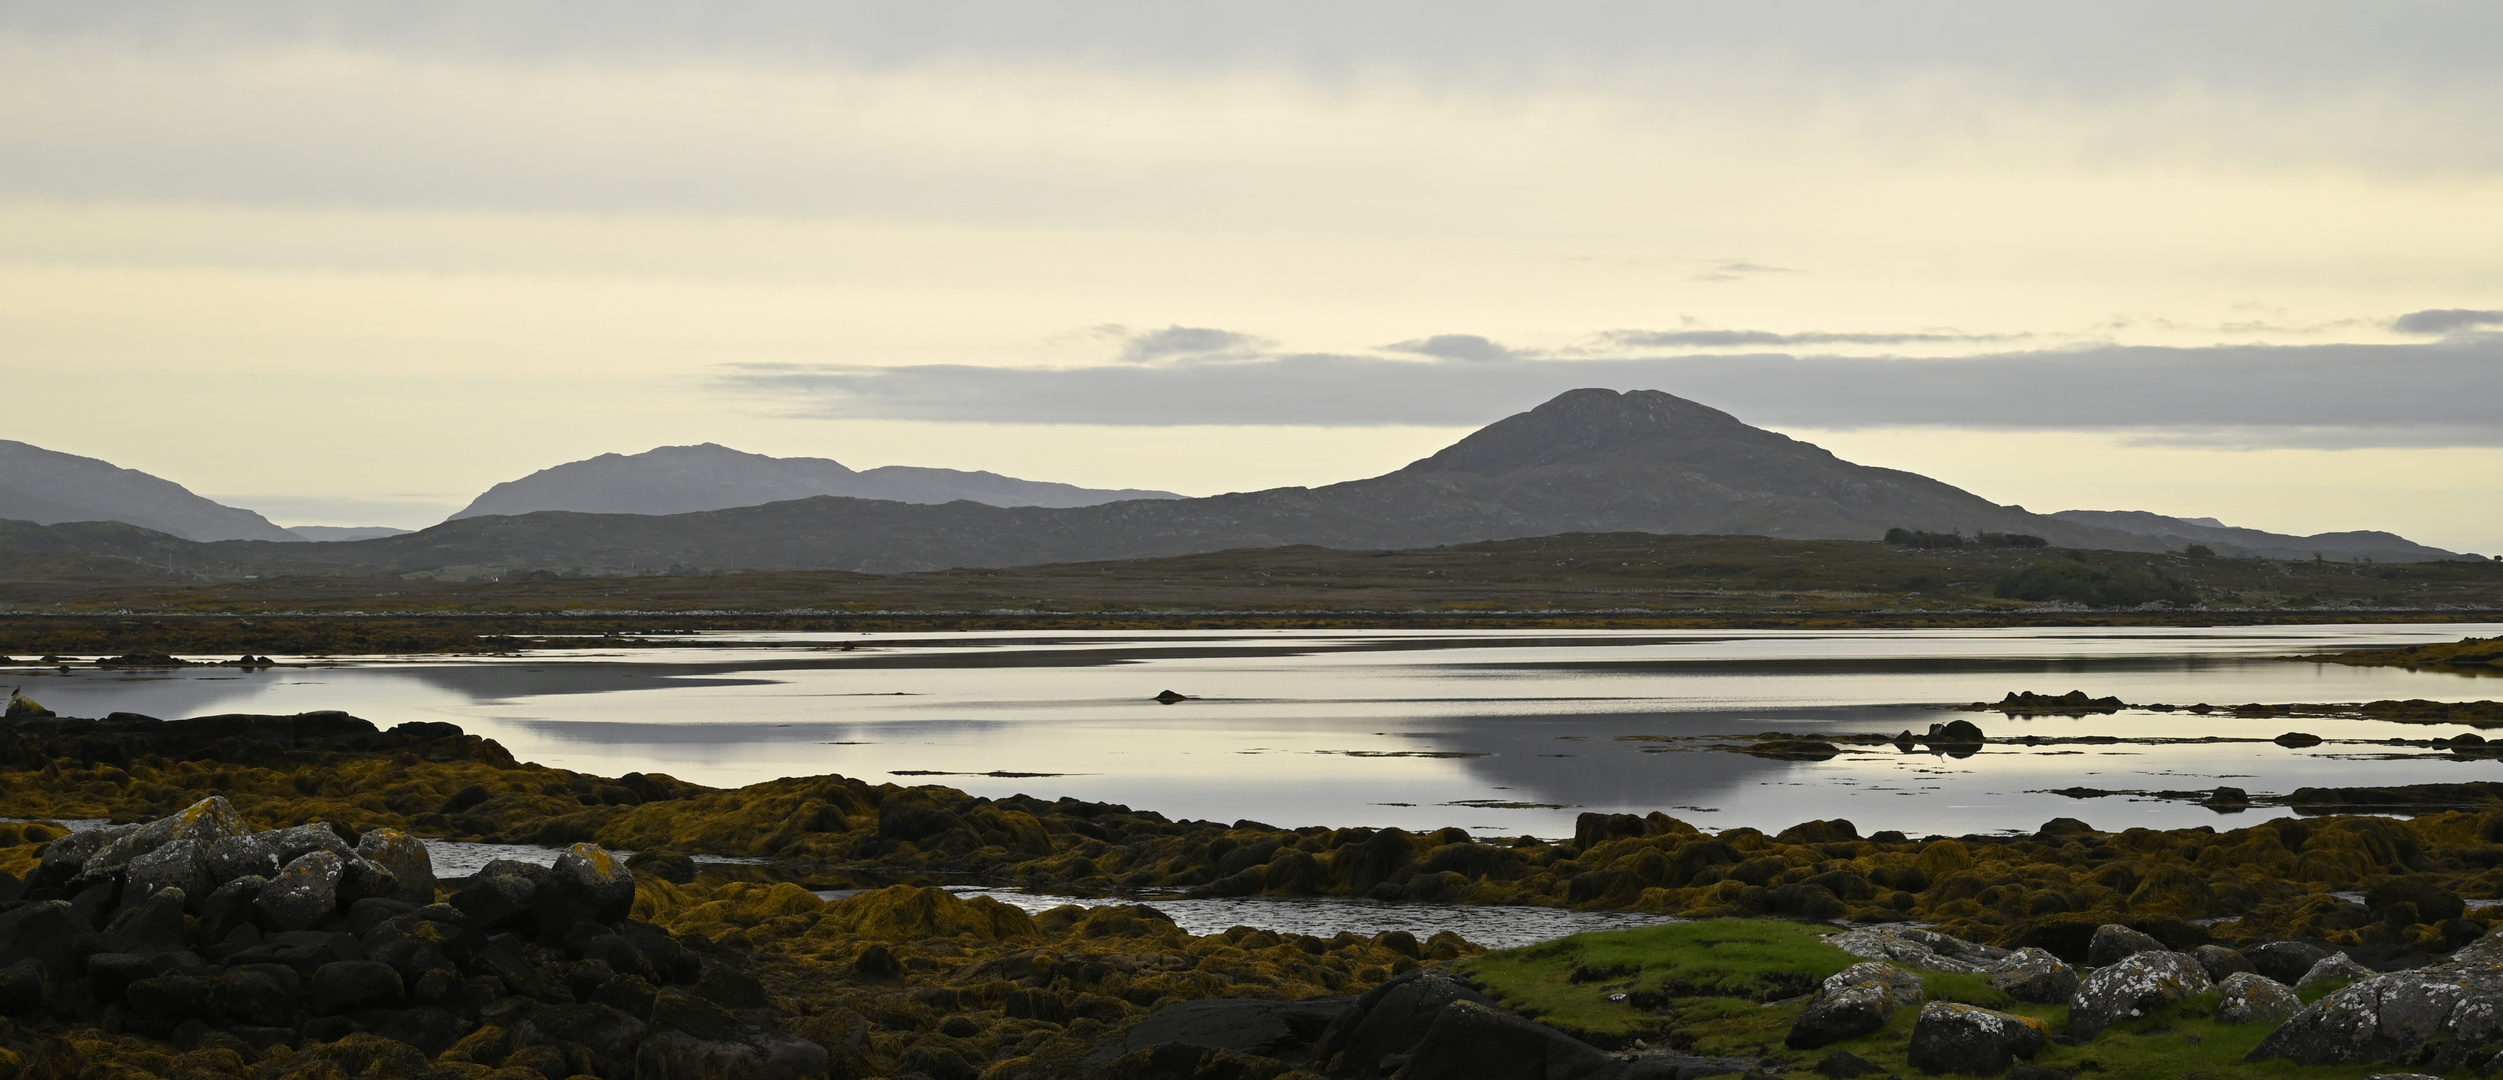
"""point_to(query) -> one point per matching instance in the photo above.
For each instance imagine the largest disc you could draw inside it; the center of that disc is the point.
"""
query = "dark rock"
(667, 865)
(1972, 1040)
(305, 892)
(431, 1030)
(2433, 903)
(1168, 697)
(503, 894)
(2284, 961)
(22, 987)
(263, 853)
(2114, 943)
(1245, 1025)
(587, 885)
(609, 1034)
(2296, 740)
(2132, 988)
(67, 857)
(46, 932)
(1469, 1040)
(347, 985)
(199, 824)
(161, 1003)
(113, 972)
(263, 994)
(753, 1054)
(1845, 1065)
(181, 864)
(2249, 997)
(2220, 962)
(1955, 733)
(230, 905)
(1391, 1018)
(1845, 1013)
(153, 926)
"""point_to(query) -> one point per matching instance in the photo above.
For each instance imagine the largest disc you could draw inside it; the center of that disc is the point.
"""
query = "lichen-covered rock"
(67, 856)
(592, 885)
(2132, 988)
(180, 864)
(263, 853)
(1914, 948)
(1840, 1013)
(1900, 987)
(1972, 1040)
(2035, 975)
(2335, 967)
(2252, 998)
(503, 893)
(305, 892)
(412, 869)
(203, 822)
(2114, 943)
(2396, 1017)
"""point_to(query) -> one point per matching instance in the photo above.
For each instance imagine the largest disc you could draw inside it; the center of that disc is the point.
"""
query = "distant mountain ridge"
(48, 487)
(1594, 461)
(2180, 533)
(709, 476)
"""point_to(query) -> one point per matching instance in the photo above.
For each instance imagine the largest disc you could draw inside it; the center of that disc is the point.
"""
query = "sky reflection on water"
(1343, 728)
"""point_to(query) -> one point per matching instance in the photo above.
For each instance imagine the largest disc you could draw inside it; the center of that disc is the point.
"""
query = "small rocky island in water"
(248, 896)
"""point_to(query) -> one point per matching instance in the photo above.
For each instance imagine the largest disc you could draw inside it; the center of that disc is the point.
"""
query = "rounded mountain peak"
(1581, 424)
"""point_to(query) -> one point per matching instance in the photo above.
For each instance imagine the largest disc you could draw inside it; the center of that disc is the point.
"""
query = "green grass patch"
(1569, 982)
(1965, 988)
(2319, 990)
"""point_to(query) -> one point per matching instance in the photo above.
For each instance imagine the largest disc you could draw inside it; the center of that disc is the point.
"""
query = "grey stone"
(356, 984)
(152, 926)
(2114, 943)
(2335, 967)
(1972, 1040)
(181, 864)
(264, 852)
(1902, 988)
(502, 893)
(1922, 949)
(412, 869)
(1846, 1012)
(305, 892)
(2396, 1017)
(209, 819)
(230, 906)
(2132, 988)
(2221, 962)
(2253, 998)
(2034, 975)
(73, 851)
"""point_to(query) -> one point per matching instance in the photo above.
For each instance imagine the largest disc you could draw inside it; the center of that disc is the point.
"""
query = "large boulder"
(2285, 961)
(66, 857)
(1391, 1018)
(181, 864)
(2035, 975)
(2114, 943)
(45, 932)
(305, 892)
(1845, 1013)
(2249, 997)
(200, 823)
(2399, 1016)
(587, 885)
(1900, 987)
(2221, 962)
(2133, 987)
(1924, 949)
(412, 869)
(1243, 1025)
(2335, 967)
(1972, 1040)
(1469, 1040)
(503, 894)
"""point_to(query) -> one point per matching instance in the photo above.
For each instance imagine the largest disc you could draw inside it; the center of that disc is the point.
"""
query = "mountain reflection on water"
(1501, 733)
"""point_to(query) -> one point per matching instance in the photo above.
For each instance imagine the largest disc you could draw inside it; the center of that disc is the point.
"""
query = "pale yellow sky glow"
(348, 277)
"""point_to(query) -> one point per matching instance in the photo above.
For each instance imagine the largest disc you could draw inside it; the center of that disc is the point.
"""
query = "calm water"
(1417, 729)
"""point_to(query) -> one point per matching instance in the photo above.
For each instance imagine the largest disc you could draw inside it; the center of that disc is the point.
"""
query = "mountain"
(47, 486)
(687, 479)
(333, 533)
(2177, 533)
(1587, 461)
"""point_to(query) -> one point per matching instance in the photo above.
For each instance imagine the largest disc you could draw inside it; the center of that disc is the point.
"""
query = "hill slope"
(47, 486)
(2180, 533)
(688, 479)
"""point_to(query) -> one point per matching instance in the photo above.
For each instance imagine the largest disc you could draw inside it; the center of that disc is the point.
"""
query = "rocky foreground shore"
(265, 912)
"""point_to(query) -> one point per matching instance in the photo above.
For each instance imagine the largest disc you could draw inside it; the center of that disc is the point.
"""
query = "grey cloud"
(2445, 320)
(1739, 270)
(2437, 394)
(1179, 341)
(1455, 347)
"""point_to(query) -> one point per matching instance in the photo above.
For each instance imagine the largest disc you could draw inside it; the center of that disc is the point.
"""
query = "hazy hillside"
(687, 479)
(2225, 539)
(46, 486)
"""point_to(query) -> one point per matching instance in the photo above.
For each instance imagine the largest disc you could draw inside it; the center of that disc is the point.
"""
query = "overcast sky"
(352, 263)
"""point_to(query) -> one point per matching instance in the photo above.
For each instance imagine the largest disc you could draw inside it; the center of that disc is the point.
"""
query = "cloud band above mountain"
(2433, 394)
